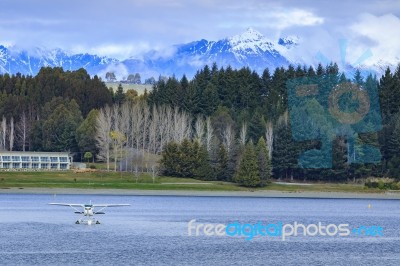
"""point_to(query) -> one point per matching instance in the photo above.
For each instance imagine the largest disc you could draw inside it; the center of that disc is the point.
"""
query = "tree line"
(222, 114)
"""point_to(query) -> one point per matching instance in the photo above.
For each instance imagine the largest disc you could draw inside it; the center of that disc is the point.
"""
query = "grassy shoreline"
(123, 183)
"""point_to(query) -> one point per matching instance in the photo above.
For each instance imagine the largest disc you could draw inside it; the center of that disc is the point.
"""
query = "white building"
(35, 160)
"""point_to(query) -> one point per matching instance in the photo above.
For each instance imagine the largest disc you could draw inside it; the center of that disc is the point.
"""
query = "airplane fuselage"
(88, 211)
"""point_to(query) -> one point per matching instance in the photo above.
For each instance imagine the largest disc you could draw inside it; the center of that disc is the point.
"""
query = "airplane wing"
(73, 206)
(110, 205)
(103, 206)
(67, 204)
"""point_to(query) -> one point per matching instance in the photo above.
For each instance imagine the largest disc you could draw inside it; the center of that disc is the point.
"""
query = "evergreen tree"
(170, 160)
(257, 126)
(187, 158)
(285, 151)
(263, 161)
(59, 131)
(248, 173)
(85, 132)
(222, 163)
(119, 96)
(202, 168)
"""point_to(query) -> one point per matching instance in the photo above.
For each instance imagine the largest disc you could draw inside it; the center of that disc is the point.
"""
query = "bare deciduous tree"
(3, 133)
(11, 135)
(103, 134)
(153, 130)
(162, 126)
(146, 117)
(228, 137)
(137, 121)
(199, 128)
(136, 128)
(243, 134)
(269, 137)
(154, 172)
(209, 135)
(168, 125)
(22, 130)
(126, 125)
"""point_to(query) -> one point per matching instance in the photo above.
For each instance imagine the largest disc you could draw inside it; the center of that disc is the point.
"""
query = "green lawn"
(115, 180)
(102, 179)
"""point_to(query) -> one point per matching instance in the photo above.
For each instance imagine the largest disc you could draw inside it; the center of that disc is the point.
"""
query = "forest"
(224, 124)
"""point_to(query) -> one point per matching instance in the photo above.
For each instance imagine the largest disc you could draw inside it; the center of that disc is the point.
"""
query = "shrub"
(382, 183)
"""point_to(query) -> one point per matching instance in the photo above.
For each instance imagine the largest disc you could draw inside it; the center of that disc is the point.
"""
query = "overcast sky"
(126, 28)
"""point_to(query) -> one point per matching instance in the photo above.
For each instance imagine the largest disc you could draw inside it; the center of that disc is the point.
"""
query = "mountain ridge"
(247, 49)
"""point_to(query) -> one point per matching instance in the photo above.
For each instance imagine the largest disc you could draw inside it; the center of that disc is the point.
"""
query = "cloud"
(274, 19)
(118, 51)
(295, 17)
(120, 71)
(380, 33)
(129, 28)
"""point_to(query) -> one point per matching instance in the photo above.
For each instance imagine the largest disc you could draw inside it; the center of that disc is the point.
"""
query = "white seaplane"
(88, 211)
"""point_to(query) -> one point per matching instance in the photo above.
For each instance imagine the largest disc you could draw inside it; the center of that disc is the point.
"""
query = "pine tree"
(86, 131)
(119, 96)
(203, 168)
(257, 126)
(222, 163)
(285, 151)
(248, 173)
(170, 159)
(264, 162)
(187, 160)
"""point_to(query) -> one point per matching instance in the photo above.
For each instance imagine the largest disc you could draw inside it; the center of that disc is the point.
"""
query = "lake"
(154, 231)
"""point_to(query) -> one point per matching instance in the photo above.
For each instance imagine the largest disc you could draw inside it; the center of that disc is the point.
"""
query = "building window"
(44, 159)
(64, 159)
(25, 158)
(44, 166)
(25, 165)
(54, 159)
(16, 158)
(63, 166)
(6, 165)
(16, 165)
(6, 158)
(35, 158)
(35, 165)
(54, 166)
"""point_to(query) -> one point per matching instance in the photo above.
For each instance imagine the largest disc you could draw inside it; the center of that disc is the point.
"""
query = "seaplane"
(89, 211)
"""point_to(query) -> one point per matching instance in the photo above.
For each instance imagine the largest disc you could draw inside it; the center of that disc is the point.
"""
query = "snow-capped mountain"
(249, 49)
(14, 60)
(289, 41)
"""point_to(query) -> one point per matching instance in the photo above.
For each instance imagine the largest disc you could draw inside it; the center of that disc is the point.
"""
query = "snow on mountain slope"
(250, 41)
(14, 60)
(248, 49)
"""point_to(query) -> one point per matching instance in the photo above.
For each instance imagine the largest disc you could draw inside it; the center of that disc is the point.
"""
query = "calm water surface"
(153, 231)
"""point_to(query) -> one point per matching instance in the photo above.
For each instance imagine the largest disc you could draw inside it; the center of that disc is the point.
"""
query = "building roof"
(34, 153)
